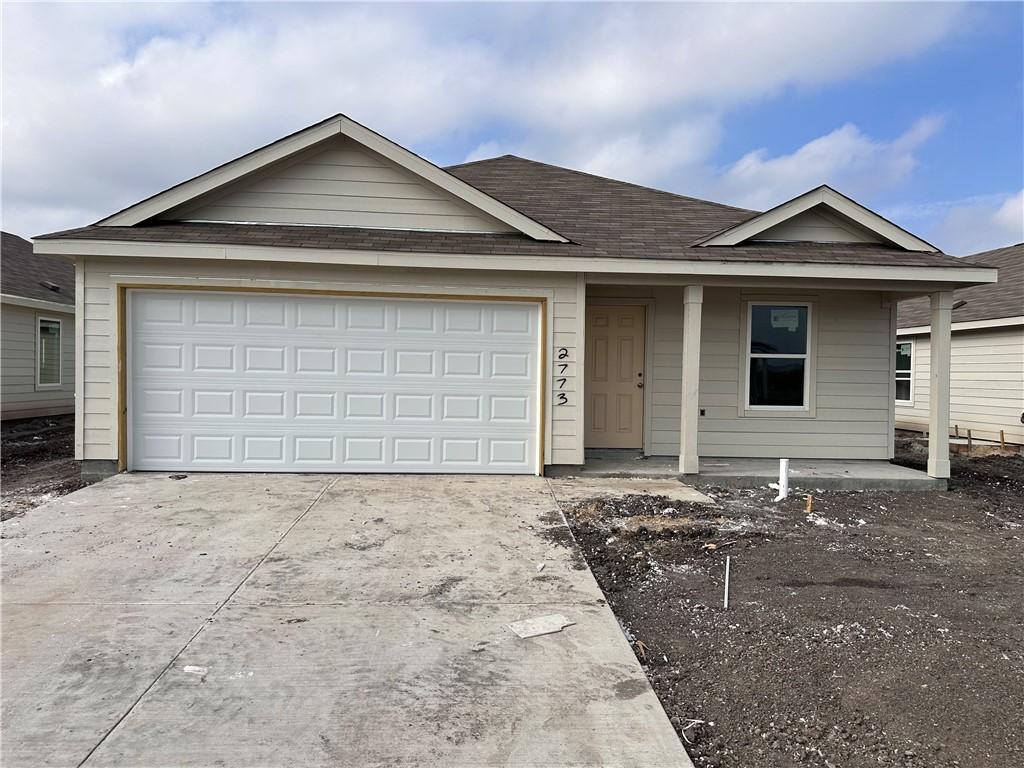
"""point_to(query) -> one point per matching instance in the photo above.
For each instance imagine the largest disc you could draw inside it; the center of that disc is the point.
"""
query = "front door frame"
(647, 304)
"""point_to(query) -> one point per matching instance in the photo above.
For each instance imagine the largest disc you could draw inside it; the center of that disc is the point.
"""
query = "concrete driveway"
(307, 620)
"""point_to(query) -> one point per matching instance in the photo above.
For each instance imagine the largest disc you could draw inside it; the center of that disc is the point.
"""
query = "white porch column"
(938, 398)
(693, 299)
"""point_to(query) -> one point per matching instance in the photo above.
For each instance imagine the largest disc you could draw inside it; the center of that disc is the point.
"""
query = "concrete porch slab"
(807, 474)
(618, 463)
(811, 474)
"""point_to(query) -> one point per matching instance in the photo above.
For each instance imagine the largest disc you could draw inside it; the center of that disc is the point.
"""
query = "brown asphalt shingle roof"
(22, 272)
(991, 301)
(601, 217)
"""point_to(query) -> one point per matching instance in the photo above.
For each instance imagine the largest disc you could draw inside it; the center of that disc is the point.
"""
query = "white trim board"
(958, 276)
(48, 306)
(338, 125)
(967, 325)
(828, 197)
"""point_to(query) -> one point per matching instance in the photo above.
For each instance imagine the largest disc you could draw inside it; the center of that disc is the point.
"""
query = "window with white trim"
(905, 372)
(778, 356)
(48, 344)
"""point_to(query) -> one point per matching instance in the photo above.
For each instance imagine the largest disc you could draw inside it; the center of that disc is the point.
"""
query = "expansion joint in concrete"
(207, 621)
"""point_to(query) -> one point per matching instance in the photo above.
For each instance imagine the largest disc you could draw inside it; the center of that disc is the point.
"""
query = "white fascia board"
(968, 325)
(46, 306)
(955, 276)
(290, 145)
(820, 196)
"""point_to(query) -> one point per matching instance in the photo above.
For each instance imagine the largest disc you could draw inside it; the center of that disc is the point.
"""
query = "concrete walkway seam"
(207, 621)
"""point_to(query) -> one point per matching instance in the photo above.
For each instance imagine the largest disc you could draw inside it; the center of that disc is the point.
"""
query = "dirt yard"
(878, 629)
(36, 462)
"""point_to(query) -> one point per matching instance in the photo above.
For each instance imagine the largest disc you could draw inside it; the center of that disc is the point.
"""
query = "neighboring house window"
(778, 359)
(905, 372)
(48, 363)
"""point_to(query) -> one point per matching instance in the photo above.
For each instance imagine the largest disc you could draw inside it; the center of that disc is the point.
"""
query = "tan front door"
(614, 379)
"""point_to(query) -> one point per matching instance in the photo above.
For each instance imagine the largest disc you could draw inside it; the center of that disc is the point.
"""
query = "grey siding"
(986, 384)
(850, 380)
(343, 185)
(19, 396)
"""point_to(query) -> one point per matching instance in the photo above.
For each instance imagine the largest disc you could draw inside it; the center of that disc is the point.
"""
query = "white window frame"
(806, 357)
(909, 373)
(39, 352)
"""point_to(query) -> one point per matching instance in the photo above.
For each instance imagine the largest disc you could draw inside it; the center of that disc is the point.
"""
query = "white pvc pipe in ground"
(727, 563)
(783, 479)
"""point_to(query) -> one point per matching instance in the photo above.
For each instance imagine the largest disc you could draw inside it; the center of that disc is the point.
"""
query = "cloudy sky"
(916, 110)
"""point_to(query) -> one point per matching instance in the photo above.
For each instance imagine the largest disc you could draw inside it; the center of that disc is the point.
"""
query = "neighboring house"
(333, 302)
(37, 332)
(987, 374)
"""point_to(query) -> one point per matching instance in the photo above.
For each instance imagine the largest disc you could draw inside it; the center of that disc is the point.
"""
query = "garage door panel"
(224, 355)
(156, 400)
(354, 451)
(210, 403)
(369, 317)
(156, 357)
(211, 358)
(269, 383)
(216, 448)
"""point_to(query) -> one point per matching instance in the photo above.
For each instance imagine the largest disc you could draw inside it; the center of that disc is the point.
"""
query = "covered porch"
(716, 382)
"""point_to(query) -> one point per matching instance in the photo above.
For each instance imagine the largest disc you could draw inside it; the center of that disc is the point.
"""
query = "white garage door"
(279, 382)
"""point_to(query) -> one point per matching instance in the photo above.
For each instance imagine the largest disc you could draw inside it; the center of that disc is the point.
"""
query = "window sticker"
(785, 317)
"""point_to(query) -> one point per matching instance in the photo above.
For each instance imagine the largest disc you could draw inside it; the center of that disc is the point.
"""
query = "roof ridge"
(481, 160)
(993, 251)
(606, 178)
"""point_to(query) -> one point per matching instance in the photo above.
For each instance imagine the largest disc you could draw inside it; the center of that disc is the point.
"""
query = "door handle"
(639, 385)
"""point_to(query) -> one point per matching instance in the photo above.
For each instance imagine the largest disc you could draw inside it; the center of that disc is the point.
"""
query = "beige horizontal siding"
(100, 276)
(851, 381)
(19, 395)
(820, 227)
(343, 185)
(986, 384)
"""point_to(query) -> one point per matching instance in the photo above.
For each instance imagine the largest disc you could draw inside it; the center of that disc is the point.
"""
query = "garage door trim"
(122, 339)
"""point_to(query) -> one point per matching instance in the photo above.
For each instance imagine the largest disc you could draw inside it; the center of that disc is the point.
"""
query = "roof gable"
(820, 215)
(819, 224)
(337, 133)
(339, 182)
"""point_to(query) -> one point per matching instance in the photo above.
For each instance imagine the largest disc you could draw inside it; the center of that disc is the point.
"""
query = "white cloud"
(1010, 216)
(105, 104)
(845, 159)
(484, 151)
(982, 224)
